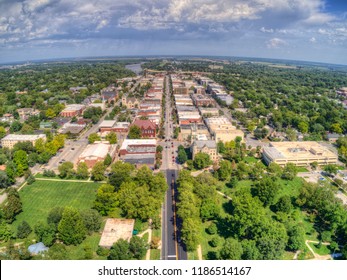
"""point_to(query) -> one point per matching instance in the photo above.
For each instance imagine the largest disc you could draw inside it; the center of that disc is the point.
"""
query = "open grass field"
(40, 197)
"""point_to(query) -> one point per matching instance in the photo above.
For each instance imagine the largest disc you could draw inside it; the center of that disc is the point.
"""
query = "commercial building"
(201, 100)
(112, 125)
(138, 146)
(130, 102)
(25, 113)
(72, 128)
(209, 112)
(300, 153)
(208, 147)
(148, 128)
(190, 132)
(221, 129)
(12, 139)
(96, 152)
(72, 110)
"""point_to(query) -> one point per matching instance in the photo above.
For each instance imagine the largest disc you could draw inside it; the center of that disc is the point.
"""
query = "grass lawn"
(40, 197)
(302, 169)
(288, 255)
(323, 250)
(155, 254)
(291, 188)
(250, 159)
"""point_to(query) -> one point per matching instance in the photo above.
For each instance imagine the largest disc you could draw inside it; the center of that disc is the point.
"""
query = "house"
(148, 128)
(333, 137)
(130, 102)
(25, 113)
(112, 125)
(45, 125)
(208, 147)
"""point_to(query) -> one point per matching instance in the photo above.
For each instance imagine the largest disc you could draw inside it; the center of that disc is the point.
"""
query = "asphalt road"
(172, 249)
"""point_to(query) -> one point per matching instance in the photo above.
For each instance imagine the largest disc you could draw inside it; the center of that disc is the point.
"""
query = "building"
(333, 137)
(148, 128)
(300, 153)
(72, 110)
(138, 146)
(46, 125)
(72, 128)
(208, 147)
(209, 112)
(12, 139)
(112, 125)
(25, 113)
(201, 100)
(130, 102)
(140, 160)
(97, 152)
(190, 132)
(222, 129)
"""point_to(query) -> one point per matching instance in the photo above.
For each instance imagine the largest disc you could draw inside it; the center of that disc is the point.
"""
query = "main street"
(172, 248)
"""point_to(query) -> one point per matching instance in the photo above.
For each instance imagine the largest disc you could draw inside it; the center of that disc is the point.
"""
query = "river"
(135, 68)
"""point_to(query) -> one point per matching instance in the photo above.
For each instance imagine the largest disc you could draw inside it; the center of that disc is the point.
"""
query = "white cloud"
(275, 43)
(264, 30)
(313, 40)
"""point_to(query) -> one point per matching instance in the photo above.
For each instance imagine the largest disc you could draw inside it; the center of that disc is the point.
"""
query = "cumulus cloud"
(275, 43)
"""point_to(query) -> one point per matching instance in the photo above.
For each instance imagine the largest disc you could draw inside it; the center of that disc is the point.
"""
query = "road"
(172, 249)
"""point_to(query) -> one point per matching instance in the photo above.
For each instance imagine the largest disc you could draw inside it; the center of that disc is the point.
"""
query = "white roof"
(22, 137)
(107, 123)
(96, 150)
(128, 142)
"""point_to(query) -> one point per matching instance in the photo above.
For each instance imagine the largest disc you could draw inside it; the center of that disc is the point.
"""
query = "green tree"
(82, 171)
(250, 250)
(11, 172)
(71, 227)
(224, 170)
(111, 137)
(91, 219)
(275, 170)
(134, 132)
(182, 156)
(98, 171)
(50, 114)
(107, 160)
(260, 133)
(66, 170)
(54, 216)
(209, 210)
(93, 137)
(212, 229)
(289, 171)
(13, 206)
(201, 161)
(105, 200)
(303, 127)
(331, 169)
(23, 230)
(266, 189)
(2, 132)
(4, 180)
(45, 233)
(120, 251)
(284, 204)
(336, 127)
(191, 233)
(296, 238)
(5, 231)
(232, 250)
(138, 247)
(58, 252)
(20, 158)
(120, 172)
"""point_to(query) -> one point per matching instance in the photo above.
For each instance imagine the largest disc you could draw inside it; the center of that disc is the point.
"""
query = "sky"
(309, 30)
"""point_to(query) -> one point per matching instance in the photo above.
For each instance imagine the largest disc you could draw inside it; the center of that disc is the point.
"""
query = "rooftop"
(211, 144)
(96, 150)
(22, 137)
(108, 123)
(116, 229)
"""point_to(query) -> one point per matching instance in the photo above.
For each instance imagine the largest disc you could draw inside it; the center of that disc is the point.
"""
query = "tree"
(2, 132)
(11, 172)
(23, 230)
(82, 171)
(201, 161)
(58, 252)
(50, 114)
(91, 219)
(5, 231)
(31, 179)
(71, 227)
(250, 250)
(266, 189)
(120, 251)
(138, 247)
(224, 170)
(105, 200)
(212, 229)
(20, 158)
(4, 180)
(107, 160)
(289, 171)
(134, 132)
(66, 170)
(260, 133)
(336, 127)
(296, 237)
(215, 241)
(159, 149)
(191, 233)
(98, 171)
(45, 233)
(13, 206)
(93, 137)
(209, 210)
(181, 155)
(275, 170)
(284, 204)
(111, 137)
(54, 216)
(303, 127)
(120, 172)
(232, 250)
(331, 169)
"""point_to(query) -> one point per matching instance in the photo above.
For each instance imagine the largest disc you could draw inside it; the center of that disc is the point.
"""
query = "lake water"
(135, 68)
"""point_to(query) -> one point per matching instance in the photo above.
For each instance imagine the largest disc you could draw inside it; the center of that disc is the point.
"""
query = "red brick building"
(148, 128)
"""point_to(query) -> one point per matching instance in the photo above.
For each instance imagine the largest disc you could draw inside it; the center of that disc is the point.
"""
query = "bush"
(48, 173)
(212, 229)
(215, 241)
(101, 251)
(23, 230)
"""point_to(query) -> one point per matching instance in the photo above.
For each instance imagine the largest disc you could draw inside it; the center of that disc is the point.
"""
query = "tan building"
(130, 102)
(208, 147)
(300, 153)
(96, 152)
(12, 139)
(222, 129)
(25, 113)
(72, 110)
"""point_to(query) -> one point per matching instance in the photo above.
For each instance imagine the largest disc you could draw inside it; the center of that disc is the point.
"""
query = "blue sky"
(311, 30)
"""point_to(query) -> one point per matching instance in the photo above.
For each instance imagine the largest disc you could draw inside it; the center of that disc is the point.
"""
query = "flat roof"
(96, 150)
(116, 229)
(128, 142)
(107, 123)
(23, 137)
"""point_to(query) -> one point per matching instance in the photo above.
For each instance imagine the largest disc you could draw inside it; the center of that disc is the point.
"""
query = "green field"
(40, 197)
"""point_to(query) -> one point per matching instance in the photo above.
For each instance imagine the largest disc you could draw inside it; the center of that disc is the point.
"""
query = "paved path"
(199, 252)
(63, 180)
(317, 256)
(224, 195)
(149, 230)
